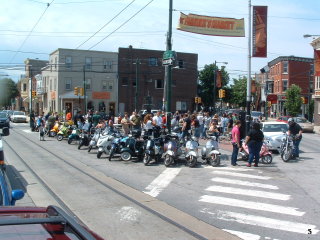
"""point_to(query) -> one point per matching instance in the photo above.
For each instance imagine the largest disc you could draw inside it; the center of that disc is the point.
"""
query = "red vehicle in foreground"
(283, 119)
(36, 223)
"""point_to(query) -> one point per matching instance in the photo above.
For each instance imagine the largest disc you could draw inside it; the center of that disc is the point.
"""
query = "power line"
(122, 24)
(107, 23)
(48, 5)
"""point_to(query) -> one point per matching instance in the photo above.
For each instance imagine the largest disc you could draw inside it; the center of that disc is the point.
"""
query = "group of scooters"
(149, 146)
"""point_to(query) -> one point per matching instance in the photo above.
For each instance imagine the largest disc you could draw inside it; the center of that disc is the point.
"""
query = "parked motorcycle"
(117, 144)
(265, 153)
(74, 136)
(104, 143)
(153, 149)
(54, 131)
(286, 148)
(133, 148)
(210, 153)
(85, 135)
(64, 132)
(191, 151)
(94, 139)
(172, 149)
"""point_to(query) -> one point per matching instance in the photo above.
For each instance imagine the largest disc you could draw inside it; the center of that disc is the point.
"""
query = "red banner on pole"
(259, 31)
(317, 62)
(219, 79)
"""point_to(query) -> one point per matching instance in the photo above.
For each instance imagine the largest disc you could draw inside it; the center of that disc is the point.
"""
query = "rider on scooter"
(296, 131)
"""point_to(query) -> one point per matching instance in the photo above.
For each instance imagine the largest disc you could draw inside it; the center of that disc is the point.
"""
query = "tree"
(293, 100)
(206, 83)
(8, 91)
(239, 92)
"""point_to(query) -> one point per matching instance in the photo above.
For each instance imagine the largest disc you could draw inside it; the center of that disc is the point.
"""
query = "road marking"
(162, 181)
(243, 235)
(233, 169)
(266, 222)
(243, 183)
(247, 192)
(27, 130)
(251, 205)
(235, 174)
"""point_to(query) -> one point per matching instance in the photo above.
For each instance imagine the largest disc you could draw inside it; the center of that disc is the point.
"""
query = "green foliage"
(293, 100)
(239, 92)
(206, 84)
(8, 91)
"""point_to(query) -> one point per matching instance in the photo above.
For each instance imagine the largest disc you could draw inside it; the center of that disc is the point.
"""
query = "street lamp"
(215, 83)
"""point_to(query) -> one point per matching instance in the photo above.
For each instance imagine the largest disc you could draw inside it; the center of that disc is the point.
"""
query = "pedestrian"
(230, 123)
(186, 126)
(213, 130)
(254, 141)
(224, 123)
(206, 124)
(235, 140)
(96, 118)
(125, 122)
(157, 119)
(68, 116)
(201, 123)
(296, 131)
(135, 121)
(147, 124)
(195, 125)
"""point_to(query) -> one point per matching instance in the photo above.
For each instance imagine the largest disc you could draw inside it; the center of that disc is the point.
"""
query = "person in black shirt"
(296, 131)
(254, 142)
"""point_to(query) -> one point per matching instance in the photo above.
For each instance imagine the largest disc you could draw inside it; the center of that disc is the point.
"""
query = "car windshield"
(3, 115)
(301, 120)
(256, 114)
(18, 113)
(275, 127)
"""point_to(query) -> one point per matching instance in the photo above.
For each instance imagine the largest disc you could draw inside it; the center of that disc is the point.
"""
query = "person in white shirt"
(201, 124)
(206, 124)
(157, 119)
(147, 124)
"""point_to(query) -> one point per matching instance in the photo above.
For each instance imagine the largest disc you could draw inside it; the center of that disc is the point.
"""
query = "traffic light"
(81, 91)
(199, 99)
(34, 93)
(76, 91)
(223, 93)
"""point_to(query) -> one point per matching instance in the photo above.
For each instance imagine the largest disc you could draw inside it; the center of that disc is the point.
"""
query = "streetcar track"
(150, 210)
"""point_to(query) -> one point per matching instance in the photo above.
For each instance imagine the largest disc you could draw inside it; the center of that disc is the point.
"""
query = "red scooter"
(265, 154)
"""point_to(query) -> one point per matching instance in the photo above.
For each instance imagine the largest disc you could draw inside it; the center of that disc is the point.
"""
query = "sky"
(31, 29)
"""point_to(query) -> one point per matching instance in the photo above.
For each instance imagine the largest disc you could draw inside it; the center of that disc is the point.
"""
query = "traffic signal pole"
(248, 113)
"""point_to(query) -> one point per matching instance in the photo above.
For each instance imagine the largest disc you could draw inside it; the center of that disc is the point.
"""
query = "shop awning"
(70, 95)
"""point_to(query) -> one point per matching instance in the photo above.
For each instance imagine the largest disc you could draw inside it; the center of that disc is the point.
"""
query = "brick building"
(143, 69)
(288, 70)
(316, 45)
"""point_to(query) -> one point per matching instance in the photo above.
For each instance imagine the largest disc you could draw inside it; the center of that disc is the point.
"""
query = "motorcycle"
(85, 135)
(133, 147)
(153, 149)
(210, 153)
(265, 154)
(104, 143)
(172, 149)
(74, 136)
(286, 148)
(94, 139)
(64, 132)
(54, 131)
(191, 151)
(117, 144)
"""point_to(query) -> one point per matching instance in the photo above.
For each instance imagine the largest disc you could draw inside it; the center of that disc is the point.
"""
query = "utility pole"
(309, 97)
(168, 72)
(84, 90)
(214, 86)
(248, 113)
(137, 82)
(30, 76)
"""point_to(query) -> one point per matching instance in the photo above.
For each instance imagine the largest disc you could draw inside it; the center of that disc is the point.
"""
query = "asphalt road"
(276, 201)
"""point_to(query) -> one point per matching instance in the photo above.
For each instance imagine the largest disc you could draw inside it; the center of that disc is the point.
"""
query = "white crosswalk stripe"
(231, 183)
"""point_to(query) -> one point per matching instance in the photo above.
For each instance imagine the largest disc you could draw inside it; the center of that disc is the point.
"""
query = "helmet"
(290, 120)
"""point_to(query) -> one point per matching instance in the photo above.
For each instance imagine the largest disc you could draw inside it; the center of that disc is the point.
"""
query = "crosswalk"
(244, 199)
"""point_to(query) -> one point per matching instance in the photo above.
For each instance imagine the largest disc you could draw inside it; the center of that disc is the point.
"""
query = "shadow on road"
(16, 179)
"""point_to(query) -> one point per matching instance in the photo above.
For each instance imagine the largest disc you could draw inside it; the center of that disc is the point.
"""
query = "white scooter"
(191, 151)
(104, 143)
(210, 153)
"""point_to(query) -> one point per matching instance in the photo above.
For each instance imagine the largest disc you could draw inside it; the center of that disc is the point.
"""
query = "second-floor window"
(68, 83)
(317, 83)
(153, 61)
(285, 67)
(284, 85)
(104, 85)
(88, 63)
(159, 84)
(24, 87)
(107, 65)
(88, 84)
(68, 62)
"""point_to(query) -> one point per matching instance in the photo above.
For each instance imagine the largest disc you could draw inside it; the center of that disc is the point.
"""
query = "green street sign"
(169, 55)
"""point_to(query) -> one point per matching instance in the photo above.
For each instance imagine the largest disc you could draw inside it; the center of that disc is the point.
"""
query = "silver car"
(274, 133)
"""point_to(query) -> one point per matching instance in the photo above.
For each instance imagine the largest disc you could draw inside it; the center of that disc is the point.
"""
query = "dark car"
(4, 120)
(29, 223)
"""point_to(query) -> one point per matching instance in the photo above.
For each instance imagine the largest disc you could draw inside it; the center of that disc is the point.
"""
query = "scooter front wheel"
(267, 159)
(192, 161)
(125, 156)
(214, 160)
(146, 159)
(168, 160)
(59, 137)
(69, 141)
(286, 155)
(99, 154)
(89, 149)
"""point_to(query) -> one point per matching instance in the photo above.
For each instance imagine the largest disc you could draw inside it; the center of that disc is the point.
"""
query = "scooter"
(210, 153)
(117, 144)
(265, 154)
(133, 148)
(54, 131)
(191, 151)
(153, 149)
(172, 149)
(74, 136)
(85, 135)
(63, 132)
(104, 143)
(94, 139)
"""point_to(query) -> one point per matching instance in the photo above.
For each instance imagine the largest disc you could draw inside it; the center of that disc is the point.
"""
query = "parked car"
(41, 223)
(273, 134)
(256, 115)
(304, 124)
(4, 120)
(283, 119)
(18, 116)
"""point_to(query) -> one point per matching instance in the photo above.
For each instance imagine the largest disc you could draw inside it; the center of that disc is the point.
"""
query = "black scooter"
(86, 135)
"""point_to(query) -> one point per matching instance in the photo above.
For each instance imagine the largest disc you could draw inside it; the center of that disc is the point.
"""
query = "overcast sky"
(69, 23)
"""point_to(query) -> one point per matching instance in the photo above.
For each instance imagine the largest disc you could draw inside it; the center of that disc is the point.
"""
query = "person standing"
(196, 126)
(125, 122)
(296, 131)
(147, 124)
(206, 124)
(254, 141)
(157, 119)
(135, 121)
(96, 118)
(185, 127)
(235, 142)
(32, 121)
(201, 123)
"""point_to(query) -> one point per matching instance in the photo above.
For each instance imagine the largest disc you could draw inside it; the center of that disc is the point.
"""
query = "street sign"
(167, 61)
(169, 55)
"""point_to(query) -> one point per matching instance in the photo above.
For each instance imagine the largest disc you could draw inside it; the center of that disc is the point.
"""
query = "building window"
(68, 83)
(24, 87)
(104, 85)
(55, 62)
(88, 84)
(68, 62)
(88, 63)
(50, 85)
(134, 82)
(107, 65)
(124, 81)
(55, 84)
(181, 63)
(110, 86)
(285, 67)
(153, 61)
(159, 83)
(317, 83)
(284, 85)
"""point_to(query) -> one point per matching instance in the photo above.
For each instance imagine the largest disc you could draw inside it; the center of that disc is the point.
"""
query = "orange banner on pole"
(215, 26)
(259, 31)
(317, 62)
